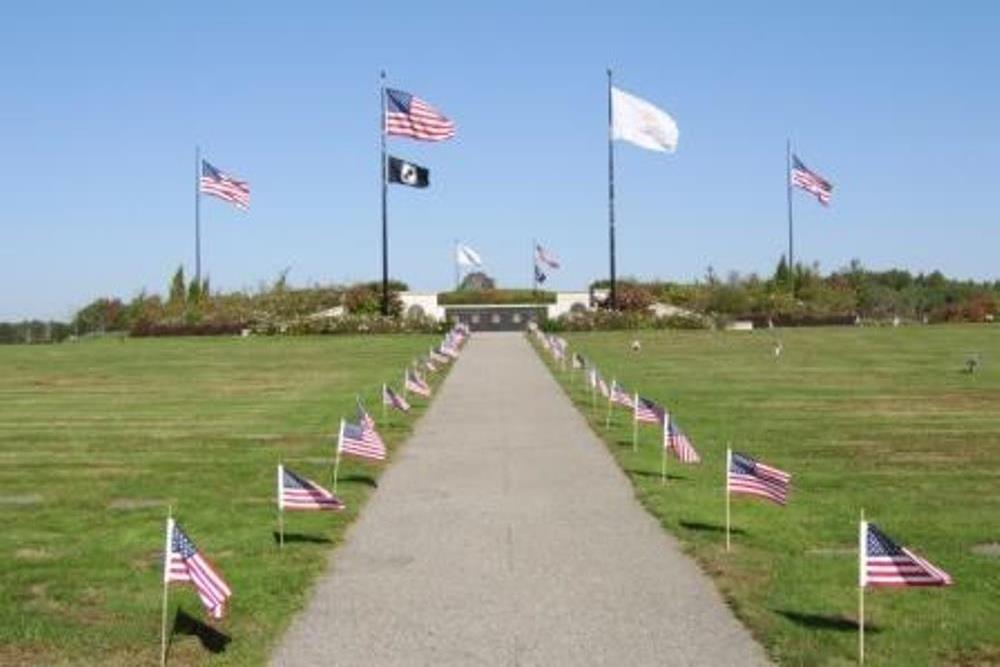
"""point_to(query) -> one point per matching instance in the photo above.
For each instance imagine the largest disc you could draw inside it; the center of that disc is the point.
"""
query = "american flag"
(647, 411)
(811, 182)
(299, 493)
(448, 350)
(435, 355)
(429, 365)
(749, 477)
(619, 395)
(218, 183)
(545, 257)
(368, 427)
(183, 563)
(394, 400)
(355, 440)
(885, 563)
(674, 438)
(407, 115)
(415, 383)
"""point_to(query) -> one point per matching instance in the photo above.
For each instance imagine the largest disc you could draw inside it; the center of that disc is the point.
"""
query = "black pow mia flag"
(407, 173)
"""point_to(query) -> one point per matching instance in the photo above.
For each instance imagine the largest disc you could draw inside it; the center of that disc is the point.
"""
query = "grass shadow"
(211, 639)
(825, 621)
(301, 538)
(367, 480)
(709, 527)
(653, 475)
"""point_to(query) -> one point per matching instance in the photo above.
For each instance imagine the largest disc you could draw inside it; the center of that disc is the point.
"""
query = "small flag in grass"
(885, 563)
(675, 439)
(184, 563)
(578, 361)
(299, 493)
(368, 427)
(413, 382)
(435, 355)
(747, 476)
(394, 400)
(620, 396)
(355, 440)
(646, 411)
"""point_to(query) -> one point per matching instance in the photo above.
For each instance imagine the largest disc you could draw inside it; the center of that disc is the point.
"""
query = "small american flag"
(218, 183)
(394, 400)
(435, 355)
(368, 427)
(675, 439)
(885, 563)
(407, 115)
(749, 477)
(429, 365)
(184, 563)
(647, 411)
(299, 493)
(413, 382)
(811, 182)
(620, 396)
(355, 440)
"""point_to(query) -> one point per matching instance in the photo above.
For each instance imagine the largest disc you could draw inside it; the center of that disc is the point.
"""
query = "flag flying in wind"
(638, 122)
(543, 256)
(885, 563)
(811, 182)
(355, 440)
(184, 563)
(749, 477)
(218, 183)
(407, 115)
(647, 411)
(466, 256)
(394, 400)
(407, 173)
(540, 276)
(299, 493)
(675, 439)
(619, 395)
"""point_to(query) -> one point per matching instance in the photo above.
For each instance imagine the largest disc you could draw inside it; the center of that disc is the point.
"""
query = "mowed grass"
(97, 438)
(880, 419)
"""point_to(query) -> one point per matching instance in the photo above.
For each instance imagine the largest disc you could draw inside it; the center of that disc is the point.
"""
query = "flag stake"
(635, 422)
(861, 589)
(729, 456)
(663, 460)
(384, 422)
(336, 460)
(281, 506)
(166, 569)
(607, 420)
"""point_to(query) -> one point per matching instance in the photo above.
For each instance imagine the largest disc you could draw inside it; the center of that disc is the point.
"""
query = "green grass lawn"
(880, 419)
(97, 438)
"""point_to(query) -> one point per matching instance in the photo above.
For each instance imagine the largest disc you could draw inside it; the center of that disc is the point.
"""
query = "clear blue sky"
(102, 104)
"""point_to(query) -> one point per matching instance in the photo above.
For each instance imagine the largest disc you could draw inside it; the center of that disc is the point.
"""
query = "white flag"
(638, 122)
(466, 256)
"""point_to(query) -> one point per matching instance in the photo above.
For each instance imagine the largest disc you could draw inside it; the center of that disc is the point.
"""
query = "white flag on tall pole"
(466, 256)
(638, 122)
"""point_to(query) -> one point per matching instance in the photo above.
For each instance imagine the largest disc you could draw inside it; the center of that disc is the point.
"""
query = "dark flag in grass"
(885, 563)
(184, 563)
(407, 173)
(394, 400)
(647, 411)
(747, 476)
(299, 493)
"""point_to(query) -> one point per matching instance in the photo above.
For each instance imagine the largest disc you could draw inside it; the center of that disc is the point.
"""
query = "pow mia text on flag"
(407, 173)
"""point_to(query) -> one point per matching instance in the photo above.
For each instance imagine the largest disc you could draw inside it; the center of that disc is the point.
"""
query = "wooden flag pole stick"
(166, 569)
(862, 548)
(729, 455)
(611, 392)
(663, 460)
(281, 505)
(336, 461)
(635, 422)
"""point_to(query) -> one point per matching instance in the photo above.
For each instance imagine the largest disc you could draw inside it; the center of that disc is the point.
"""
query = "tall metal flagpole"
(385, 225)
(788, 187)
(611, 195)
(197, 215)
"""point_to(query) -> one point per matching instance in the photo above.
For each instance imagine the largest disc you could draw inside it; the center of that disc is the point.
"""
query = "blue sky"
(103, 103)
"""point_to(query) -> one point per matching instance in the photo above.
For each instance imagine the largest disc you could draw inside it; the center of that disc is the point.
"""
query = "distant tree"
(194, 293)
(177, 289)
(477, 281)
(781, 272)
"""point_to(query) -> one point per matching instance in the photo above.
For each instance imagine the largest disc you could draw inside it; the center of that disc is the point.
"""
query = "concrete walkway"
(504, 534)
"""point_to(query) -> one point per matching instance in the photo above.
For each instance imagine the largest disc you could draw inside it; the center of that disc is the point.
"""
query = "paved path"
(505, 534)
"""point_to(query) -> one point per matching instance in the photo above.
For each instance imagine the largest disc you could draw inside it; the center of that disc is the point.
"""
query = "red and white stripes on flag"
(646, 411)
(675, 439)
(298, 493)
(184, 563)
(368, 430)
(356, 440)
(620, 396)
(394, 400)
(407, 115)
(217, 183)
(413, 382)
(808, 180)
(435, 355)
(745, 476)
(885, 563)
